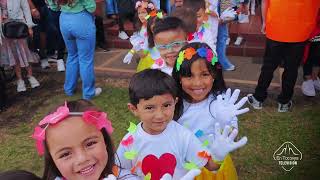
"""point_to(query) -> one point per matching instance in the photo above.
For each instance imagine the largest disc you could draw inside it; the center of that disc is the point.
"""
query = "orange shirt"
(291, 20)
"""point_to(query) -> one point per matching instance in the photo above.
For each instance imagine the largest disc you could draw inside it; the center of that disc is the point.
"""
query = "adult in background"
(79, 34)
(287, 25)
(39, 13)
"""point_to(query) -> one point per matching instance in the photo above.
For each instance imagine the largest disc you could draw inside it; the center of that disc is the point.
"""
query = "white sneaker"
(228, 41)
(231, 68)
(243, 18)
(52, 60)
(44, 63)
(21, 86)
(33, 82)
(308, 88)
(238, 41)
(316, 84)
(123, 35)
(253, 12)
(60, 65)
(98, 91)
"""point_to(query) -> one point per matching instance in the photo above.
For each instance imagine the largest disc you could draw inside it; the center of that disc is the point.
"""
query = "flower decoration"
(180, 60)
(189, 53)
(202, 52)
(154, 13)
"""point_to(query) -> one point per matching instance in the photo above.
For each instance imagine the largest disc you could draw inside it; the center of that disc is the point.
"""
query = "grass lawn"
(266, 131)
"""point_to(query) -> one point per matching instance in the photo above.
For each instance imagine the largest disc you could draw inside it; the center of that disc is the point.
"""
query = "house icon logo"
(288, 156)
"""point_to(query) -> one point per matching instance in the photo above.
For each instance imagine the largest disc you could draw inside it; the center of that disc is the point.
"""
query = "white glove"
(110, 177)
(224, 108)
(127, 59)
(223, 142)
(189, 176)
(228, 14)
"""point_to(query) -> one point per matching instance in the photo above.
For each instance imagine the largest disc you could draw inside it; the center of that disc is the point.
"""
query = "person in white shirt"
(159, 148)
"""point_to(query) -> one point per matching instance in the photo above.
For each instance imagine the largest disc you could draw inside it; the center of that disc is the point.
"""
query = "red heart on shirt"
(158, 167)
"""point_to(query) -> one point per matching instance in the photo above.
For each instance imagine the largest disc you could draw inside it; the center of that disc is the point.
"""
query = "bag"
(15, 30)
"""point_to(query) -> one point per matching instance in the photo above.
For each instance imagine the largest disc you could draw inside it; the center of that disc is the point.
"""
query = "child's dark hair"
(166, 24)
(50, 169)
(196, 5)
(218, 86)
(137, 23)
(150, 26)
(18, 174)
(149, 83)
(188, 16)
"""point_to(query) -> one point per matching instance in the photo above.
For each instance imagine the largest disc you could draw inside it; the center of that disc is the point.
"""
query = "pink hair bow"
(96, 118)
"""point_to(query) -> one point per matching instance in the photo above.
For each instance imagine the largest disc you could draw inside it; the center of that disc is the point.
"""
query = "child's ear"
(132, 108)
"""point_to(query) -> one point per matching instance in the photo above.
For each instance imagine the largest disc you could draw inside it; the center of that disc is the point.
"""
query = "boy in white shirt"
(159, 148)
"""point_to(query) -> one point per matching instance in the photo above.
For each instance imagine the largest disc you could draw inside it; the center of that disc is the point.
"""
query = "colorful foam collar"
(98, 119)
(203, 52)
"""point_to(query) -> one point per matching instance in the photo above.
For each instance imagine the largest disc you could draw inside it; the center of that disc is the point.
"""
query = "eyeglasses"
(177, 45)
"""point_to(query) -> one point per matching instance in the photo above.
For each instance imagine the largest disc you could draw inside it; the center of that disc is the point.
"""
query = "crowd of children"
(188, 117)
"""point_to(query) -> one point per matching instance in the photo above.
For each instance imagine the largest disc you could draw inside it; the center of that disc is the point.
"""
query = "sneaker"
(316, 84)
(44, 64)
(238, 41)
(97, 91)
(254, 102)
(308, 88)
(228, 41)
(60, 65)
(123, 35)
(21, 86)
(285, 107)
(33, 82)
(231, 68)
(52, 60)
(253, 12)
(243, 18)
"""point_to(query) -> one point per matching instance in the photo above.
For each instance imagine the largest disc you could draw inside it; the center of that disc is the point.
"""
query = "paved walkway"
(247, 68)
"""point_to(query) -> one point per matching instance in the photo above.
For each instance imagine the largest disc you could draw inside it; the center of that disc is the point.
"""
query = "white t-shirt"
(199, 118)
(207, 33)
(158, 152)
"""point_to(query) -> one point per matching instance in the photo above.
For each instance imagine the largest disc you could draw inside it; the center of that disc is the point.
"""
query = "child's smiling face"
(171, 42)
(199, 84)
(77, 149)
(154, 113)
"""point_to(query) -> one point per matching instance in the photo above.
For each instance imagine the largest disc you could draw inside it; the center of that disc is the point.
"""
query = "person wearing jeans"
(223, 35)
(79, 33)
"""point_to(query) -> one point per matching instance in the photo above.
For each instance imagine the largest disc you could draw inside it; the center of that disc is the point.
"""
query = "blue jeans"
(79, 34)
(111, 7)
(223, 35)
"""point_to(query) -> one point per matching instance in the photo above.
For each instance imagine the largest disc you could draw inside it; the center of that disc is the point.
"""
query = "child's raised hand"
(223, 142)
(110, 177)
(228, 14)
(225, 108)
(189, 176)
